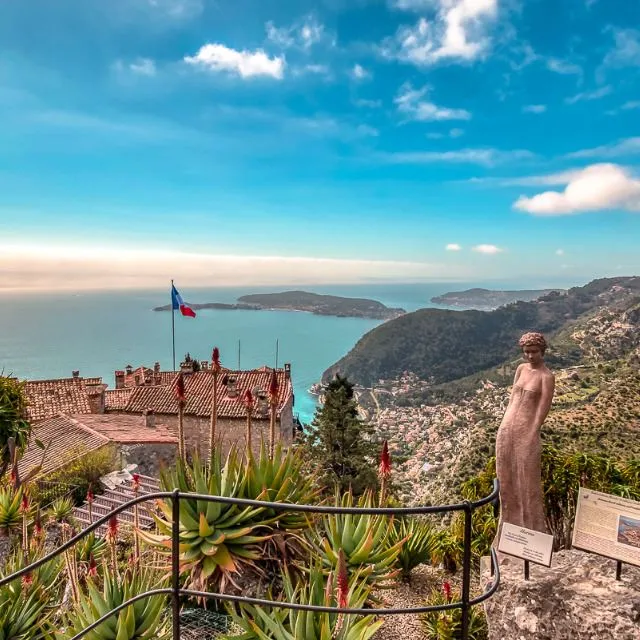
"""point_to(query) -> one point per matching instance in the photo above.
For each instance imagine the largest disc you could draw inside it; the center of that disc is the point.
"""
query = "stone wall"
(150, 458)
(578, 598)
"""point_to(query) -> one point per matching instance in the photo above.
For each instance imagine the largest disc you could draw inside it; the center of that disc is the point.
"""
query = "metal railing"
(175, 591)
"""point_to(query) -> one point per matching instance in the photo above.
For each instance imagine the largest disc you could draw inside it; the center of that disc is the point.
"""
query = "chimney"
(186, 366)
(75, 374)
(287, 370)
(96, 396)
(137, 379)
(204, 365)
(156, 367)
(147, 377)
(149, 416)
(129, 369)
(119, 379)
(232, 387)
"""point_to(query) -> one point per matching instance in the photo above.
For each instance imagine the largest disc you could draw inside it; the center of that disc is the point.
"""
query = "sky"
(273, 142)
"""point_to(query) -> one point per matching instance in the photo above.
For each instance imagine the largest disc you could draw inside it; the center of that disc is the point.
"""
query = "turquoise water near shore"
(47, 335)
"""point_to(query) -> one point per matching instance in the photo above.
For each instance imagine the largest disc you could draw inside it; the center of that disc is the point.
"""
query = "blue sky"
(289, 141)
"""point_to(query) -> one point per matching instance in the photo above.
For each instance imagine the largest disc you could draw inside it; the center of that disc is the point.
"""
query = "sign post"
(531, 546)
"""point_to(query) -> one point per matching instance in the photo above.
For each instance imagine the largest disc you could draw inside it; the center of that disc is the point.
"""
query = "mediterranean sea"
(48, 334)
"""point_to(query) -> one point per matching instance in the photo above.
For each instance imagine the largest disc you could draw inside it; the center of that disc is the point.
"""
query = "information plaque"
(526, 544)
(608, 525)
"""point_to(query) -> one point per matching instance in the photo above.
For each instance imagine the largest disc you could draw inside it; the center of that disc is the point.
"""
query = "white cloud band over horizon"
(42, 267)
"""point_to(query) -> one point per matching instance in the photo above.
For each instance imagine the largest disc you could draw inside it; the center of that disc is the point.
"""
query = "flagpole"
(173, 329)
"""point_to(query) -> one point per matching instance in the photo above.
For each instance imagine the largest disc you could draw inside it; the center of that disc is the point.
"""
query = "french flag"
(178, 303)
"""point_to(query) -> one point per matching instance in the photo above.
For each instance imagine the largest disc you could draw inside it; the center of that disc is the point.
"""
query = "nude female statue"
(518, 445)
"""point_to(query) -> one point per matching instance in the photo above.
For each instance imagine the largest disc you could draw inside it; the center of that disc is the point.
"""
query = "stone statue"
(518, 445)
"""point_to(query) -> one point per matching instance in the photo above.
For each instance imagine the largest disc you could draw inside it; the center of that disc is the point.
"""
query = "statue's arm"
(515, 379)
(548, 387)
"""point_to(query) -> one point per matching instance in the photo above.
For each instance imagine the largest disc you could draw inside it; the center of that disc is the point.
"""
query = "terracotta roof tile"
(127, 429)
(65, 440)
(199, 389)
(117, 399)
(47, 398)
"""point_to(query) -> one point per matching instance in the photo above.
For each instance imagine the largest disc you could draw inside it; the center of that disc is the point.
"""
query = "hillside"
(322, 304)
(486, 299)
(596, 408)
(439, 346)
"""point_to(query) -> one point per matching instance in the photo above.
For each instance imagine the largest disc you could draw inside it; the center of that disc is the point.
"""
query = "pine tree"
(339, 444)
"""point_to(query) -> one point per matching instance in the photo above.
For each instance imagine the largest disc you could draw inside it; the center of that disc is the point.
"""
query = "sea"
(49, 334)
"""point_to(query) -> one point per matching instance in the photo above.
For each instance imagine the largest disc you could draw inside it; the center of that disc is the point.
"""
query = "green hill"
(442, 345)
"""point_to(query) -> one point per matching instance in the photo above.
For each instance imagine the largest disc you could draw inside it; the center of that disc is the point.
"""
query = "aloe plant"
(363, 538)
(142, 620)
(419, 546)
(258, 623)
(10, 509)
(61, 510)
(216, 539)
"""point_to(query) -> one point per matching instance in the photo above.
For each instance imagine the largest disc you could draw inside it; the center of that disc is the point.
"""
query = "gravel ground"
(409, 627)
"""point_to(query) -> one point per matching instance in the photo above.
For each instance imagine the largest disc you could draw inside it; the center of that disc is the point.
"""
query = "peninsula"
(323, 305)
(486, 299)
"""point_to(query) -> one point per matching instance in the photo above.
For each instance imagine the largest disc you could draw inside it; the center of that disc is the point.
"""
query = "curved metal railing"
(175, 591)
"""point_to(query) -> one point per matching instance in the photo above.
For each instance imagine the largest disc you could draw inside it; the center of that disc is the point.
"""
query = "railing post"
(466, 571)
(175, 563)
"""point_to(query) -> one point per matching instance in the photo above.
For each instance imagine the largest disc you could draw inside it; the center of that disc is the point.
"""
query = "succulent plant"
(319, 590)
(142, 620)
(419, 546)
(363, 538)
(10, 509)
(216, 539)
(61, 510)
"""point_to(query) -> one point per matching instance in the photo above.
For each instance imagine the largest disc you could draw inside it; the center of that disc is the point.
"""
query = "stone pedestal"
(578, 598)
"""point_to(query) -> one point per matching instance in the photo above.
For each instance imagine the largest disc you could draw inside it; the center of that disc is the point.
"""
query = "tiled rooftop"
(117, 399)
(199, 391)
(65, 440)
(47, 398)
(127, 429)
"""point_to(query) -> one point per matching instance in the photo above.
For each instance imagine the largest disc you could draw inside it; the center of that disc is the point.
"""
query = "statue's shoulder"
(548, 374)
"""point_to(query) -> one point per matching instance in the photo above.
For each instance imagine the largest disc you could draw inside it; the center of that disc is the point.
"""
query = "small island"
(323, 305)
(486, 299)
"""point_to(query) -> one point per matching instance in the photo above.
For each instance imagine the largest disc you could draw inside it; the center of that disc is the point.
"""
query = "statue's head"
(533, 346)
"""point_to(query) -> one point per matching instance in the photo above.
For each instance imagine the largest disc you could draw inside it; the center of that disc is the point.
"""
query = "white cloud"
(486, 157)
(452, 133)
(311, 69)
(31, 266)
(143, 67)
(453, 247)
(598, 187)
(369, 104)
(631, 104)
(456, 133)
(456, 30)
(409, 102)
(626, 52)
(247, 64)
(590, 95)
(559, 252)
(302, 34)
(534, 108)
(563, 67)
(624, 147)
(360, 73)
(487, 249)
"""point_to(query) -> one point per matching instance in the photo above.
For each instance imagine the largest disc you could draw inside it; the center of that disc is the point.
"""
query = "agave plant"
(279, 624)
(216, 539)
(142, 620)
(61, 510)
(10, 509)
(419, 546)
(363, 538)
(91, 547)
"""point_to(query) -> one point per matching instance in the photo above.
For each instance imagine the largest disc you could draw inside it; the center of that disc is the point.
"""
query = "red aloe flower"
(93, 567)
(90, 496)
(112, 528)
(27, 579)
(135, 482)
(248, 399)
(37, 525)
(343, 581)
(446, 587)
(384, 470)
(25, 502)
(13, 477)
(273, 387)
(215, 359)
(180, 388)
